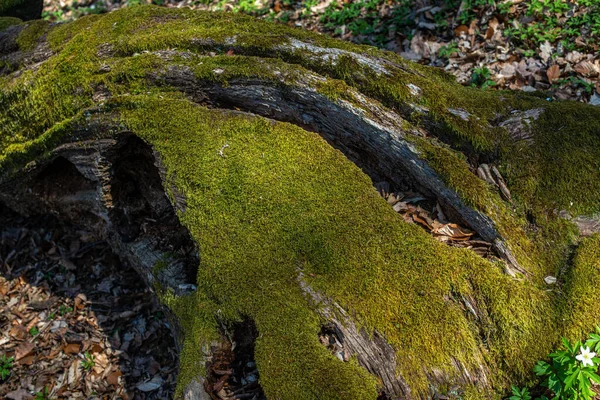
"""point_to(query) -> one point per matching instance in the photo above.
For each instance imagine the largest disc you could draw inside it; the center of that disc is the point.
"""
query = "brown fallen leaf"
(28, 360)
(72, 348)
(23, 350)
(18, 332)
(553, 73)
(113, 378)
(43, 305)
(421, 219)
(80, 301)
(453, 231)
(96, 348)
(461, 29)
(586, 69)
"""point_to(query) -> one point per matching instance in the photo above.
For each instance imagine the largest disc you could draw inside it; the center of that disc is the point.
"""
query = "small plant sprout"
(447, 50)
(62, 310)
(43, 395)
(586, 356)
(571, 370)
(6, 364)
(88, 362)
(520, 394)
(482, 78)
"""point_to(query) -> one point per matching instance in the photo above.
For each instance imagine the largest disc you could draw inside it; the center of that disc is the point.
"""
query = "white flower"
(585, 356)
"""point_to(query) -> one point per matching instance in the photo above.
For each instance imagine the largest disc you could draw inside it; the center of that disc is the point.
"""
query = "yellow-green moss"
(61, 34)
(265, 210)
(30, 35)
(5, 22)
(281, 200)
(560, 168)
(582, 295)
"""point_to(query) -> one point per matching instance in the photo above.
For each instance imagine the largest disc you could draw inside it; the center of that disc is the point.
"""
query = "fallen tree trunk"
(193, 143)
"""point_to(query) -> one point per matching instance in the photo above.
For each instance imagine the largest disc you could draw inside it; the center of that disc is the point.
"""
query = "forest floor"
(550, 46)
(76, 323)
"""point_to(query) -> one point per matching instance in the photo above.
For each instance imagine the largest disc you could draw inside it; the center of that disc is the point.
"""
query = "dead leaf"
(80, 301)
(72, 348)
(96, 348)
(19, 394)
(586, 69)
(68, 264)
(546, 50)
(127, 314)
(473, 27)
(43, 305)
(74, 372)
(18, 332)
(553, 73)
(23, 350)
(461, 29)
(453, 231)
(113, 378)
(489, 33)
(418, 45)
(153, 384)
(400, 206)
(27, 360)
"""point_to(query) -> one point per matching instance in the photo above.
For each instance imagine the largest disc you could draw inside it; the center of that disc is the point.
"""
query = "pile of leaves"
(428, 214)
(75, 323)
(549, 46)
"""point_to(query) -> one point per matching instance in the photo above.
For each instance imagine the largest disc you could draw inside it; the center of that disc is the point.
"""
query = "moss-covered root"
(267, 200)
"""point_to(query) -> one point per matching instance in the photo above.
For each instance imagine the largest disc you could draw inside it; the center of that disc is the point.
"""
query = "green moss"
(282, 201)
(581, 311)
(560, 167)
(197, 317)
(30, 35)
(5, 22)
(335, 89)
(61, 34)
(475, 392)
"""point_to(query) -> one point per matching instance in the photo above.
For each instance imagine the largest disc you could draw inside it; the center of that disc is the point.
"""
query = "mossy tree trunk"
(193, 143)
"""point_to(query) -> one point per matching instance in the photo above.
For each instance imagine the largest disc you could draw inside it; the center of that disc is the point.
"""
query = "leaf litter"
(79, 323)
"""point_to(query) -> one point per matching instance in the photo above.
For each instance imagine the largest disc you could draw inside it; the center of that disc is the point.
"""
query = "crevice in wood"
(232, 373)
(114, 187)
(373, 352)
(141, 211)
